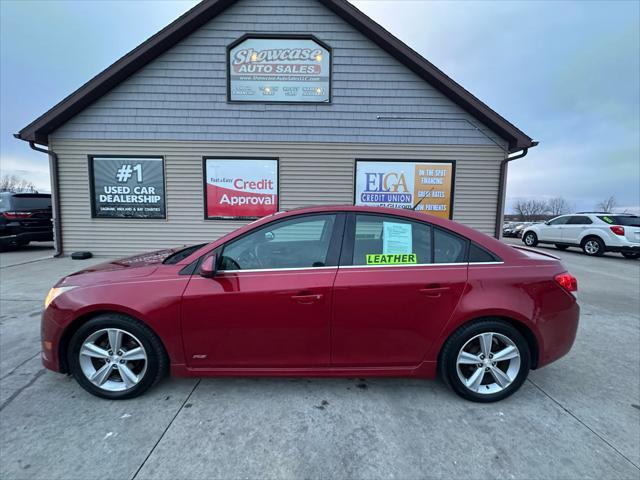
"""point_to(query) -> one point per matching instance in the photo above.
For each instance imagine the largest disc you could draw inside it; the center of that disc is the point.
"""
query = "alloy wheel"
(488, 363)
(113, 359)
(528, 239)
(592, 247)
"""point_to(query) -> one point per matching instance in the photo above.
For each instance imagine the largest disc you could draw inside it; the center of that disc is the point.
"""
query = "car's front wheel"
(485, 361)
(116, 357)
(530, 239)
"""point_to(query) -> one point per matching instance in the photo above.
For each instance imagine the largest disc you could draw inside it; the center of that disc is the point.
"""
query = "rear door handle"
(307, 298)
(434, 291)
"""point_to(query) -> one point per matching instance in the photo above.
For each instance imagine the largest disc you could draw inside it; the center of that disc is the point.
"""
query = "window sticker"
(396, 238)
(607, 219)
(392, 259)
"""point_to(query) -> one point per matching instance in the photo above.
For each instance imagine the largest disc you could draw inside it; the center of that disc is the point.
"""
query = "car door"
(269, 304)
(399, 282)
(573, 229)
(551, 231)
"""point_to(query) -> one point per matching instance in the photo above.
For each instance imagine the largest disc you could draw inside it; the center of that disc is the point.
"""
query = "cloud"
(36, 171)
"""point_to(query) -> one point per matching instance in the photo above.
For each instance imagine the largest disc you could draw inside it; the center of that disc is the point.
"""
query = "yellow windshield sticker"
(392, 259)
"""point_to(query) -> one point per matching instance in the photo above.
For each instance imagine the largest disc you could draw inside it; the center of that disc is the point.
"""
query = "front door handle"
(434, 291)
(306, 299)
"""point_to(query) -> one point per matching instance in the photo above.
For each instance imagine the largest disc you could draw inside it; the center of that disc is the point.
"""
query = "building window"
(127, 187)
(425, 186)
(240, 188)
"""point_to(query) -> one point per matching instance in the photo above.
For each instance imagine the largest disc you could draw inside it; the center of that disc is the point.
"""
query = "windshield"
(625, 220)
(182, 254)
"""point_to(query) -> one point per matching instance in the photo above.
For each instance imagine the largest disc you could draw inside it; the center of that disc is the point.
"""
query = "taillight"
(618, 230)
(16, 215)
(567, 281)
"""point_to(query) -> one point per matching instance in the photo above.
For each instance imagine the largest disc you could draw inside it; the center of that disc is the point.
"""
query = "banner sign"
(127, 187)
(404, 184)
(279, 70)
(238, 188)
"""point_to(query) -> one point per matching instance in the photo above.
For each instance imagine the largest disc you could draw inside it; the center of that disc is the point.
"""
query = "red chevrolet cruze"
(327, 291)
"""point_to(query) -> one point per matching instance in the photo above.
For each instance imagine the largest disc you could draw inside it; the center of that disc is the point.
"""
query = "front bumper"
(51, 336)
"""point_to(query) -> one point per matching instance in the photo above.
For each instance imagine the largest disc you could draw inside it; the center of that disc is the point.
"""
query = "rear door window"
(449, 248)
(579, 220)
(387, 240)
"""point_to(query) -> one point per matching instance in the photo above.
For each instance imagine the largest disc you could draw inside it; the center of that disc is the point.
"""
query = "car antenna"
(420, 201)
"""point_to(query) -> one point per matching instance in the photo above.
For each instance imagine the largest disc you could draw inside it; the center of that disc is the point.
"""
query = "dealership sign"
(424, 185)
(279, 70)
(241, 188)
(127, 187)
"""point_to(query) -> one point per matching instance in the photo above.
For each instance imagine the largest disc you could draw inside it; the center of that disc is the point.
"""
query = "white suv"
(595, 233)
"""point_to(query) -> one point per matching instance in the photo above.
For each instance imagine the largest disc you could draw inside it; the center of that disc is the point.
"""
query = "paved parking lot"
(578, 418)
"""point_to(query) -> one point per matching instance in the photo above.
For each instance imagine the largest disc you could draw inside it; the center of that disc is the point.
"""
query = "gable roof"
(38, 131)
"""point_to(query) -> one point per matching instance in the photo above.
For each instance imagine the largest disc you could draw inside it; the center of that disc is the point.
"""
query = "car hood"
(118, 270)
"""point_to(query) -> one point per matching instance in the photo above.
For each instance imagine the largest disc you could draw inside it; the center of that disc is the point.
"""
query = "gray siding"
(310, 174)
(182, 94)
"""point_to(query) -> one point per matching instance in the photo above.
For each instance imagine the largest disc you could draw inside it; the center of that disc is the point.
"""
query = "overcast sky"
(566, 73)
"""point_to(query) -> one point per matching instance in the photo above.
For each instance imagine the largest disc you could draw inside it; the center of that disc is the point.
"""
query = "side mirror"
(208, 266)
(547, 222)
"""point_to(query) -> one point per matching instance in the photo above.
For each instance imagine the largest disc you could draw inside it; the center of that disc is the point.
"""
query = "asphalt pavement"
(577, 418)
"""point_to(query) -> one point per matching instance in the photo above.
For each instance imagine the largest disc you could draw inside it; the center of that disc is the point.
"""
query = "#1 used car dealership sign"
(127, 187)
(279, 70)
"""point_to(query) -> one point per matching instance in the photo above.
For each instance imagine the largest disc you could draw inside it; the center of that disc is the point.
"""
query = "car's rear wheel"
(530, 239)
(116, 357)
(561, 247)
(593, 246)
(631, 255)
(485, 361)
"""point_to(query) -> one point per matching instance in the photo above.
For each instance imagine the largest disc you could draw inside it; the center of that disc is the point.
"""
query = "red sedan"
(327, 291)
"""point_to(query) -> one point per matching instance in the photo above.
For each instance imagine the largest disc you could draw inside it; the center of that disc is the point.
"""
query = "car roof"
(497, 247)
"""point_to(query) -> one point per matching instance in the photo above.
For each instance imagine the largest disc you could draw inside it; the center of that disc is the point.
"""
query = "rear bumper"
(558, 333)
(7, 238)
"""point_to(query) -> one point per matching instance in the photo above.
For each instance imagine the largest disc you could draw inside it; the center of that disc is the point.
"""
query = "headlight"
(54, 292)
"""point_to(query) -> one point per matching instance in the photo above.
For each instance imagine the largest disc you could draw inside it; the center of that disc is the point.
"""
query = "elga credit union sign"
(279, 70)
(127, 187)
(406, 184)
(241, 188)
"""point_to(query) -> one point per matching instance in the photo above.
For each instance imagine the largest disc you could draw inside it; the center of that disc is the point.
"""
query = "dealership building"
(241, 108)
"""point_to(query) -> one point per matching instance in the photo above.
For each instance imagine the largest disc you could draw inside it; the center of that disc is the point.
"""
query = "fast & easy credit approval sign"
(239, 188)
(405, 184)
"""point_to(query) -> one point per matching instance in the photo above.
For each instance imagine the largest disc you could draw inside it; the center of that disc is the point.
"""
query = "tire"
(630, 255)
(466, 338)
(593, 246)
(530, 239)
(147, 366)
(562, 247)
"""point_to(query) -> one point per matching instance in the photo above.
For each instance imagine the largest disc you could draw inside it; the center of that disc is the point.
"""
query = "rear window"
(24, 202)
(625, 220)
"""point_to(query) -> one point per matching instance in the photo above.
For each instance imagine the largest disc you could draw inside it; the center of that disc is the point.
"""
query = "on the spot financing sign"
(279, 70)
(239, 188)
(404, 184)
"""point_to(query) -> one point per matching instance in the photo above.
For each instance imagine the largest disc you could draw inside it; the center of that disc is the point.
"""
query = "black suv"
(24, 218)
